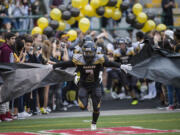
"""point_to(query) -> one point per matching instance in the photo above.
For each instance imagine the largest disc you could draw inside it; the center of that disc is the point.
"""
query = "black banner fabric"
(160, 69)
(18, 79)
(157, 64)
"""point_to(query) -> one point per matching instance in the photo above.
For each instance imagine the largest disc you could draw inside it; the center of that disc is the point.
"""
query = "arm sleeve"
(64, 64)
(5, 55)
(108, 63)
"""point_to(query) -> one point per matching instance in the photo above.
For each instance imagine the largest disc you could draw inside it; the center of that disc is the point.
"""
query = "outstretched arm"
(111, 64)
(65, 64)
(124, 67)
(108, 63)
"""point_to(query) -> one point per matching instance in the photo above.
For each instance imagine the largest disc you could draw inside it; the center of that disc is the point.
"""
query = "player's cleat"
(134, 102)
(90, 105)
(48, 109)
(122, 96)
(43, 111)
(114, 95)
(93, 127)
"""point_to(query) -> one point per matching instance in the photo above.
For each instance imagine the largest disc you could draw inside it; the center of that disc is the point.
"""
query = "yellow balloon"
(144, 29)
(142, 17)
(103, 2)
(84, 3)
(71, 21)
(118, 3)
(108, 12)
(79, 17)
(36, 30)
(42, 22)
(137, 8)
(161, 27)
(95, 3)
(113, 8)
(72, 35)
(55, 14)
(84, 24)
(88, 10)
(117, 14)
(149, 26)
(62, 26)
(76, 3)
(152, 24)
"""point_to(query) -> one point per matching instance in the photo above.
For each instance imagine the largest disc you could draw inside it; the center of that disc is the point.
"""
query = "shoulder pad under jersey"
(99, 59)
(141, 45)
(130, 51)
(117, 53)
(78, 59)
(99, 50)
(135, 44)
(110, 52)
(78, 50)
(110, 46)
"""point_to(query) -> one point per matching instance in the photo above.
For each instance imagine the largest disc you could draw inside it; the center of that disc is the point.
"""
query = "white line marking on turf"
(86, 121)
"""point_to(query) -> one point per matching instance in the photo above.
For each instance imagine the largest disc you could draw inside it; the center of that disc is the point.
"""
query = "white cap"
(169, 33)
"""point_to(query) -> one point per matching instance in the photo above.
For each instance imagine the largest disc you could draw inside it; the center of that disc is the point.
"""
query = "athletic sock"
(95, 117)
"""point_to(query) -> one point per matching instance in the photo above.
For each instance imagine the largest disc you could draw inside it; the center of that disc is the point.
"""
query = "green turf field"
(154, 121)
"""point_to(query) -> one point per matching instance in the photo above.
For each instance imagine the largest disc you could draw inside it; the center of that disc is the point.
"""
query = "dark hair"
(19, 44)
(9, 35)
(28, 39)
(22, 37)
(59, 34)
(140, 35)
(177, 33)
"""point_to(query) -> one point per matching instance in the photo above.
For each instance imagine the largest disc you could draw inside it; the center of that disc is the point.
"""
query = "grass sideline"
(165, 121)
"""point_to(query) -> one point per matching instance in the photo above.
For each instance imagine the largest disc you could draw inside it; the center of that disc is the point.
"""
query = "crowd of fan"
(50, 50)
(13, 11)
(14, 14)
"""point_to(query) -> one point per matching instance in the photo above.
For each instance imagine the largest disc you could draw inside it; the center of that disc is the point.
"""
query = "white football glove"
(100, 76)
(76, 78)
(126, 67)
